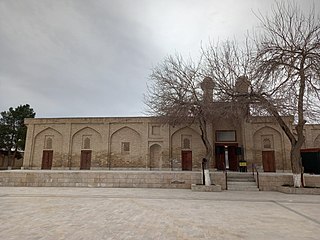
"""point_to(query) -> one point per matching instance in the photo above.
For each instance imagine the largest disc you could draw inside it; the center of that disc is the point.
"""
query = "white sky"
(73, 58)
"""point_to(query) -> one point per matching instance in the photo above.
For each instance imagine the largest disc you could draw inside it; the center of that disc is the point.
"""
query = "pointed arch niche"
(86, 149)
(125, 148)
(47, 149)
(186, 146)
(268, 149)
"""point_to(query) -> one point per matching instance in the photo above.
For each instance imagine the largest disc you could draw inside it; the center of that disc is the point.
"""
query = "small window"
(266, 143)
(186, 143)
(226, 136)
(125, 147)
(86, 143)
(155, 130)
(48, 144)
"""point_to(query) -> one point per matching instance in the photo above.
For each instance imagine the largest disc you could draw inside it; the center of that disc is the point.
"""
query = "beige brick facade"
(143, 143)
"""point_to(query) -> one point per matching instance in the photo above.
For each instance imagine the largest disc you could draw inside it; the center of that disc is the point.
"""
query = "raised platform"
(138, 179)
(108, 179)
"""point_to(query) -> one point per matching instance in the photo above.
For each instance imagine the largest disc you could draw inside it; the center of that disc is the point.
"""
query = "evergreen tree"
(13, 131)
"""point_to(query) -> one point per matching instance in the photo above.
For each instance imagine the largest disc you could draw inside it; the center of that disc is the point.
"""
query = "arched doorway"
(227, 155)
(155, 157)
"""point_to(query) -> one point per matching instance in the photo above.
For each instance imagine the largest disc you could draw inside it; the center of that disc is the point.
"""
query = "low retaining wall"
(272, 181)
(292, 190)
(125, 179)
(204, 188)
(312, 180)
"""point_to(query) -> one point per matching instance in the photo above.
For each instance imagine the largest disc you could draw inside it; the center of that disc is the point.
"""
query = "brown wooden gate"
(47, 157)
(85, 162)
(268, 161)
(186, 160)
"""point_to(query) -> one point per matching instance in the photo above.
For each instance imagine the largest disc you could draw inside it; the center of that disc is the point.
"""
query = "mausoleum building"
(144, 143)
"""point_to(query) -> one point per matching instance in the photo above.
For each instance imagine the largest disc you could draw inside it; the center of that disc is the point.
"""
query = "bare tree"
(288, 57)
(231, 66)
(176, 96)
(282, 70)
(278, 75)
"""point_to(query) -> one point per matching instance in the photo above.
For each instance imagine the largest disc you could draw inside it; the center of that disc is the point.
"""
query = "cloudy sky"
(73, 58)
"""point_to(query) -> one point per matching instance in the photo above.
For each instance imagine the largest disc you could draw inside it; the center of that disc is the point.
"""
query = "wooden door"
(233, 158)
(85, 162)
(47, 157)
(220, 157)
(268, 161)
(186, 159)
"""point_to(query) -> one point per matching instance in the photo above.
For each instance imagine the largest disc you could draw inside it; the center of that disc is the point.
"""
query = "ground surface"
(110, 213)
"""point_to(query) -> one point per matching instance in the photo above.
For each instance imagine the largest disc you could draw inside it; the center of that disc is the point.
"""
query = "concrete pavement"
(133, 213)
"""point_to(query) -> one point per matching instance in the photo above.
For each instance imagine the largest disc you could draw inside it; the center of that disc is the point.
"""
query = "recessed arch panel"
(268, 141)
(195, 146)
(125, 148)
(86, 138)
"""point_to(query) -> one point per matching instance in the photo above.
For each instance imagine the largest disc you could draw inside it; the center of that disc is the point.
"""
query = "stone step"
(242, 188)
(241, 179)
(242, 183)
(239, 175)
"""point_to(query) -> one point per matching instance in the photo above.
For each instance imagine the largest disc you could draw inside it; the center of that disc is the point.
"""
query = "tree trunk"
(206, 142)
(207, 180)
(9, 167)
(296, 164)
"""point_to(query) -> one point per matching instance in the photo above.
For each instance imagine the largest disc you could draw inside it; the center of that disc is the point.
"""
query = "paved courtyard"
(129, 213)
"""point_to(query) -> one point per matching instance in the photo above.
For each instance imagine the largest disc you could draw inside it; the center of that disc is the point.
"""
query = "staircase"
(241, 182)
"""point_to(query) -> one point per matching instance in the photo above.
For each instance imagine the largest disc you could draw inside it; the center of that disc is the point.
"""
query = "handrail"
(226, 175)
(255, 169)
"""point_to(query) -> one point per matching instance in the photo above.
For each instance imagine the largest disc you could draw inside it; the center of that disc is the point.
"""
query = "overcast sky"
(93, 58)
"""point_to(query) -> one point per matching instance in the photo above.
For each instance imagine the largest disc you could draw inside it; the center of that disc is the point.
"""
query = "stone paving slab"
(110, 213)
